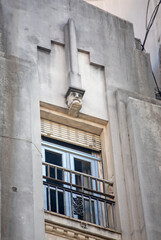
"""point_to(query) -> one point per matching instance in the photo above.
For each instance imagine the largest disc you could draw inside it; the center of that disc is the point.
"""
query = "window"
(72, 186)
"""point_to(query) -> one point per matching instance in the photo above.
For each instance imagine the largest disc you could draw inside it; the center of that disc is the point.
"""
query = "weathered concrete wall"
(22, 205)
(112, 70)
(146, 149)
(137, 162)
(109, 40)
(135, 11)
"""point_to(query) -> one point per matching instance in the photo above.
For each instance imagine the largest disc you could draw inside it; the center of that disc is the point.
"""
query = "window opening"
(72, 186)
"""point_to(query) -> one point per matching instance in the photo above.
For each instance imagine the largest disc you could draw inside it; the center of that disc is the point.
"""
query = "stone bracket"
(74, 100)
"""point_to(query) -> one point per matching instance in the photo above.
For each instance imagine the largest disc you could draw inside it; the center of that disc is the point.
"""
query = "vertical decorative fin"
(71, 51)
(75, 92)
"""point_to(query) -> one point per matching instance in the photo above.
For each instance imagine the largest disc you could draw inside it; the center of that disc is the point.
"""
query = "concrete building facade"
(139, 13)
(76, 94)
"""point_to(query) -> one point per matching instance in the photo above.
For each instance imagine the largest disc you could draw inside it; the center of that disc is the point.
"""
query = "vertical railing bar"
(48, 167)
(56, 171)
(89, 181)
(63, 176)
(49, 200)
(72, 204)
(82, 183)
(104, 190)
(106, 215)
(83, 207)
(71, 180)
(96, 186)
(57, 205)
(90, 207)
(65, 212)
(113, 216)
(92, 188)
(98, 215)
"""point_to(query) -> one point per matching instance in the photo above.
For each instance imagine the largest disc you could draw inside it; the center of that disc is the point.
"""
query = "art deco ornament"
(74, 101)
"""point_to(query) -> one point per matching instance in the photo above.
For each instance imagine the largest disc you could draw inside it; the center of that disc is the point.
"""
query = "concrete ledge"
(68, 228)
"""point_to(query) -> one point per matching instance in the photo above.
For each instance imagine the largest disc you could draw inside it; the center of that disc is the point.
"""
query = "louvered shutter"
(71, 135)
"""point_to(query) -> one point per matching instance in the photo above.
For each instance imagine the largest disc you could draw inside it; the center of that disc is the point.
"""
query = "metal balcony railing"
(78, 195)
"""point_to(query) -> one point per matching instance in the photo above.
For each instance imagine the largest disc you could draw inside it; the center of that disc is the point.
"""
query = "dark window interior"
(72, 146)
(82, 166)
(56, 159)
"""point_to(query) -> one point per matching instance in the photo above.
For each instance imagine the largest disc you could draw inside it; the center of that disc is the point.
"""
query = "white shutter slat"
(70, 135)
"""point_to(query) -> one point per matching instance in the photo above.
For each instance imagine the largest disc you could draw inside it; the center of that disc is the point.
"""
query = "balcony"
(78, 195)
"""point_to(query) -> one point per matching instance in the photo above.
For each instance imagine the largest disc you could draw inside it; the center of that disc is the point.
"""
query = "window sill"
(69, 228)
